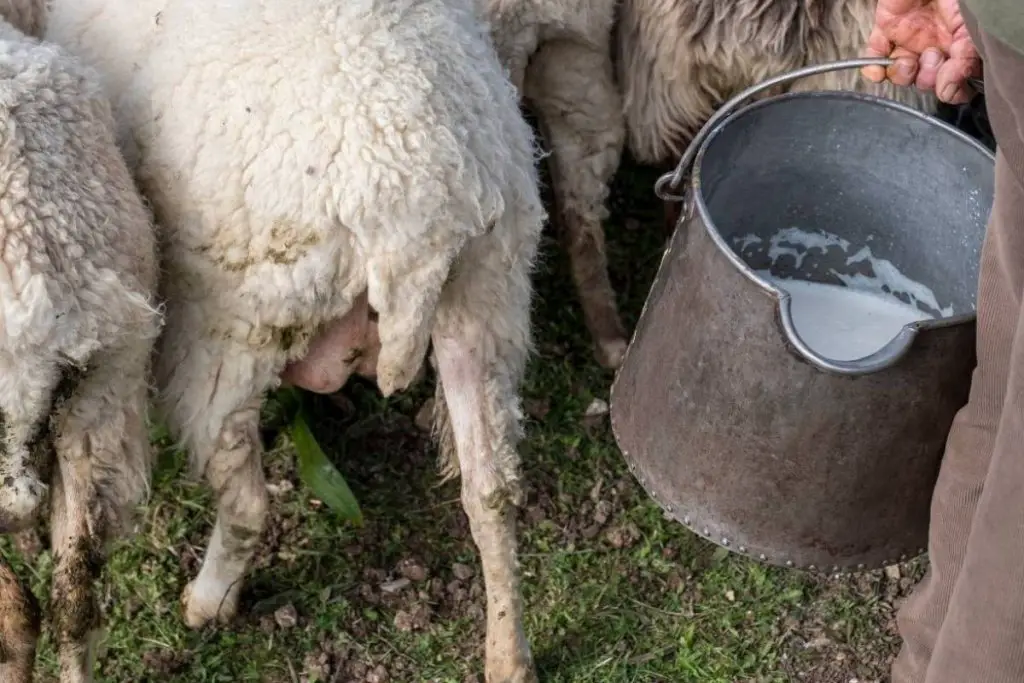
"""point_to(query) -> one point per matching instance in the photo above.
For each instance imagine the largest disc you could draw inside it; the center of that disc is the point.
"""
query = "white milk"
(887, 275)
(842, 323)
(794, 245)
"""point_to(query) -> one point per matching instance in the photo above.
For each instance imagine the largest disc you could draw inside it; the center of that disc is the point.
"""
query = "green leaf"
(320, 475)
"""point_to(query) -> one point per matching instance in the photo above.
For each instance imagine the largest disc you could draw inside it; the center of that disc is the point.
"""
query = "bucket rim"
(898, 346)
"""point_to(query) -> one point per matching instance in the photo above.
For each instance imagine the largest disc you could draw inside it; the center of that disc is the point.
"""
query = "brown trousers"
(965, 622)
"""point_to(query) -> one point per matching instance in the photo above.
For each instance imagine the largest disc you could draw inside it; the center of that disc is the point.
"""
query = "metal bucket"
(730, 420)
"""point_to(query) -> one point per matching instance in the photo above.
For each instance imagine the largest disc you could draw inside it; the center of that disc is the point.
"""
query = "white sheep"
(559, 54)
(78, 273)
(301, 153)
(679, 60)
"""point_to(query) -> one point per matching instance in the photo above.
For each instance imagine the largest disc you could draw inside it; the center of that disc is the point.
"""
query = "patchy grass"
(614, 592)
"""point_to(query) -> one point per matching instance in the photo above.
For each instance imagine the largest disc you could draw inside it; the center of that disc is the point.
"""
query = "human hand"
(931, 46)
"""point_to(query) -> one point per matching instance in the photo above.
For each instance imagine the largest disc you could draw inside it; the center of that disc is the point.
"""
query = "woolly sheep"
(77, 273)
(680, 59)
(559, 55)
(301, 153)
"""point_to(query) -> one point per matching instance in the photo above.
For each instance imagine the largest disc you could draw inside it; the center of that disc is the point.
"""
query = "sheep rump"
(77, 325)
(372, 147)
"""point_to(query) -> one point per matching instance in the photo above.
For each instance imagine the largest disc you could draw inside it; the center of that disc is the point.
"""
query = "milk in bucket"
(855, 318)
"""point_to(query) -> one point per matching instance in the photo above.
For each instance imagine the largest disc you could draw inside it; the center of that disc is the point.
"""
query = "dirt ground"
(614, 591)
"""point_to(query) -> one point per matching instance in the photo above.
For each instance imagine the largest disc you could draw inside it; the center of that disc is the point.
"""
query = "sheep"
(681, 59)
(559, 56)
(78, 270)
(302, 154)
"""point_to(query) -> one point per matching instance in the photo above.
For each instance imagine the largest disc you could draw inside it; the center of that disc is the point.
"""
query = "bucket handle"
(670, 181)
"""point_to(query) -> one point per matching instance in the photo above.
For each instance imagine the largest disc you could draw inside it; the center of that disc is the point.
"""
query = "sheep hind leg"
(235, 473)
(488, 501)
(481, 337)
(572, 89)
(102, 470)
(212, 389)
(19, 627)
(76, 615)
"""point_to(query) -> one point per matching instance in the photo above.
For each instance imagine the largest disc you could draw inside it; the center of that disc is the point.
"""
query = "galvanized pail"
(729, 417)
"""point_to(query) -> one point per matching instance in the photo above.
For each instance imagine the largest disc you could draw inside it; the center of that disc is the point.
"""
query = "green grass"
(614, 592)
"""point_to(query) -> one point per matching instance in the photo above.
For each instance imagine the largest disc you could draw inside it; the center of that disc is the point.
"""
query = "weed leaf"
(320, 475)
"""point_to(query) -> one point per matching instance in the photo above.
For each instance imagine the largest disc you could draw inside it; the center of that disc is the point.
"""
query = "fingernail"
(905, 69)
(948, 92)
(931, 59)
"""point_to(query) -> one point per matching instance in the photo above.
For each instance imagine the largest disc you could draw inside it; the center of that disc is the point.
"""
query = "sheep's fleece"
(679, 60)
(297, 154)
(423, 171)
(78, 273)
(28, 16)
(78, 259)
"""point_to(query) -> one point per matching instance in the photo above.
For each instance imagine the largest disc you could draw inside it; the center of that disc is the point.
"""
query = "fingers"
(951, 80)
(932, 71)
(878, 46)
(928, 69)
(905, 69)
(935, 53)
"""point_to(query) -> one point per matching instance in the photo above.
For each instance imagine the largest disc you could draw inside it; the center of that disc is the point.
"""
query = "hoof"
(199, 608)
(395, 378)
(519, 674)
(21, 498)
(610, 353)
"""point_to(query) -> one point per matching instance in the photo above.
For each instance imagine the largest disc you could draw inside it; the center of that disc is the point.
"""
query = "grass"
(615, 593)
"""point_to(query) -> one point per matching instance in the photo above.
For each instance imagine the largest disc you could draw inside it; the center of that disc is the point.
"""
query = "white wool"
(296, 168)
(297, 154)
